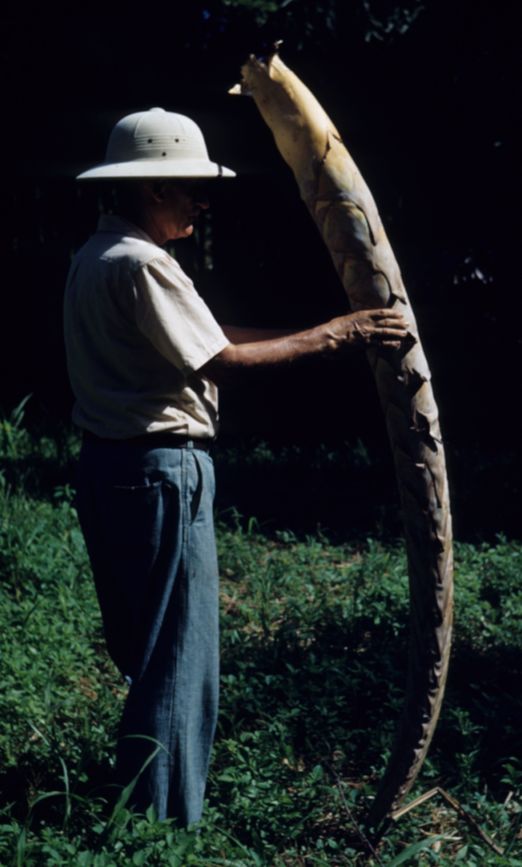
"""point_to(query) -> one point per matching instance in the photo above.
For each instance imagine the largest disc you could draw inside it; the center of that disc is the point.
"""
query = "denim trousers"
(146, 513)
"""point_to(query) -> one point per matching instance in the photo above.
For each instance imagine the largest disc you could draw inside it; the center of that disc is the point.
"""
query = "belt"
(154, 440)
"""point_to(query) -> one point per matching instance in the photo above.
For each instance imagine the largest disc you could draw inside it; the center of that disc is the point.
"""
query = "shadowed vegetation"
(313, 657)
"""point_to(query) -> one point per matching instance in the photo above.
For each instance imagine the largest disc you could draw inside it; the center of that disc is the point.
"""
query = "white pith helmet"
(156, 144)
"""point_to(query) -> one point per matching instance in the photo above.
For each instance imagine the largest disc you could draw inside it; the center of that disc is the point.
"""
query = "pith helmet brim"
(157, 169)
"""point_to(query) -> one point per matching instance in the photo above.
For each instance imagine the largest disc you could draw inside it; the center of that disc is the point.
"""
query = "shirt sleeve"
(171, 314)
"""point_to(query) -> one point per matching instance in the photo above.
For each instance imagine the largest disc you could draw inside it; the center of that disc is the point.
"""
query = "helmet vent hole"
(164, 154)
(149, 140)
(176, 140)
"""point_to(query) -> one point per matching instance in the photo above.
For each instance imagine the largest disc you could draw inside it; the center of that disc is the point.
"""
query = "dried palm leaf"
(346, 215)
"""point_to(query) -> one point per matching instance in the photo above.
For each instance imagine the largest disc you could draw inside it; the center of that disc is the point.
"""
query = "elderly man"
(144, 355)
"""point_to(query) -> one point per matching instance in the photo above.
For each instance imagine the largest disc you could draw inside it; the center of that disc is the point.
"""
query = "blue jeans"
(146, 514)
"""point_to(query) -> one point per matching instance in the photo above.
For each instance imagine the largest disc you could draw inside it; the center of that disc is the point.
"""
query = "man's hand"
(252, 349)
(369, 328)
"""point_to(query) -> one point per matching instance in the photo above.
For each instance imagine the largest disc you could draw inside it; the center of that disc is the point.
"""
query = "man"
(144, 355)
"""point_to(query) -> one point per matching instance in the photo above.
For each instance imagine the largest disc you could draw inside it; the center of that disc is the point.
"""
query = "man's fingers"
(399, 331)
(396, 325)
(381, 333)
(388, 337)
(384, 327)
(379, 316)
(390, 319)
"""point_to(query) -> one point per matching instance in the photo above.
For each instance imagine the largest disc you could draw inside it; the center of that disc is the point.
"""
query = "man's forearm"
(241, 334)
(377, 327)
(268, 352)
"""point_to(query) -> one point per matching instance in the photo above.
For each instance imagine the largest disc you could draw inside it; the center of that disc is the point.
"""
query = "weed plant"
(314, 643)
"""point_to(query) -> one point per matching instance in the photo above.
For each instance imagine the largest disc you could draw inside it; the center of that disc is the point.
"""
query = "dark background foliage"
(425, 97)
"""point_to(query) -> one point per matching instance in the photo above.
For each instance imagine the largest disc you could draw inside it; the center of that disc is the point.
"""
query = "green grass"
(313, 665)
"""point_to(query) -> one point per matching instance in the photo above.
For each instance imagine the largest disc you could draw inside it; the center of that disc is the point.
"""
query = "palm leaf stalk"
(345, 213)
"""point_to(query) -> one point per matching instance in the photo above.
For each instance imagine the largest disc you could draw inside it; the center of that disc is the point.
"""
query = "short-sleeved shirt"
(136, 334)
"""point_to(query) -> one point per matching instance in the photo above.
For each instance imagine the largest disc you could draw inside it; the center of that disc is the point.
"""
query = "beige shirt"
(136, 333)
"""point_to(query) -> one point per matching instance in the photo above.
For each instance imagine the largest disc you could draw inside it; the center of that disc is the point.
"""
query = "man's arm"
(241, 334)
(367, 327)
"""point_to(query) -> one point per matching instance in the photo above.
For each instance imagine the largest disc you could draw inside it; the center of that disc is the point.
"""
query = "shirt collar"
(119, 225)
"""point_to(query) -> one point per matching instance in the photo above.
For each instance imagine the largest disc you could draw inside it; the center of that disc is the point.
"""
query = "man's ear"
(157, 190)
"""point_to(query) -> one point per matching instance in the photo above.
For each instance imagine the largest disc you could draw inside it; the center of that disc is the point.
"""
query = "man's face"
(182, 203)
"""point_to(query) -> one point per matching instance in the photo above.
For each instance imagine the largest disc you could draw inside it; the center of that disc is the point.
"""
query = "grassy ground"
(313, 660)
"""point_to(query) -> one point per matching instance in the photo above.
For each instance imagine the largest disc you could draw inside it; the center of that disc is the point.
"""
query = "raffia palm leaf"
(346, 215)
